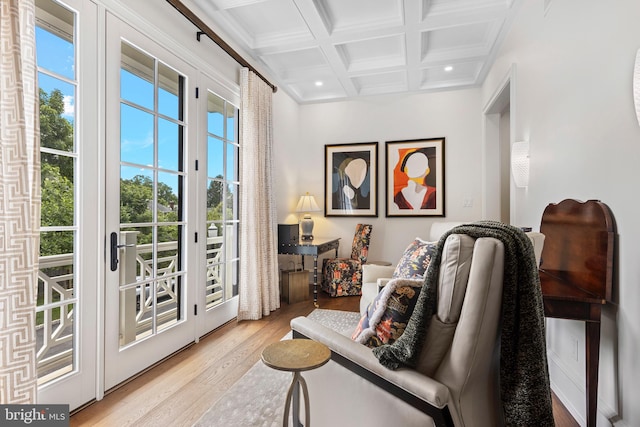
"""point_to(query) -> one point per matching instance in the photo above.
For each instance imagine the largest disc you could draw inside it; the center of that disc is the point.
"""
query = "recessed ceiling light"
(448, 68)
(319, 83)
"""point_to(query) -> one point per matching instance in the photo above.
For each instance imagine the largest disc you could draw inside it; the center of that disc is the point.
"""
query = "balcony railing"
(57, 296)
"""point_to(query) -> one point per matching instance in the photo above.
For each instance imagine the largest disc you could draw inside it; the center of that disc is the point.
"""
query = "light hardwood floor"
(178, 391)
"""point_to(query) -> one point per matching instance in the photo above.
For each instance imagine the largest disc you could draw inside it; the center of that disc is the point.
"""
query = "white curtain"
(19, 202)
(258, 286)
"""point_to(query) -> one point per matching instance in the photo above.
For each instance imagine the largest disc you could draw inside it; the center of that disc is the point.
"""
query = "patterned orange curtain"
(19, 202)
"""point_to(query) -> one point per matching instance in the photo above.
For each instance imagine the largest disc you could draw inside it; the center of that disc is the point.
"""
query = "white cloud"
(69, 108)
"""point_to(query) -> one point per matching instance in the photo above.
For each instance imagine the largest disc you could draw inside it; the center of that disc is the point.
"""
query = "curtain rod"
(204, 29)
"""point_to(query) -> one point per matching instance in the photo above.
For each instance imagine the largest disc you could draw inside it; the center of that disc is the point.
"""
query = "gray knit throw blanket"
(524, 374)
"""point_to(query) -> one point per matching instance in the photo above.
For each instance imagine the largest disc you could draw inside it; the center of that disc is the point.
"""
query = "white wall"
(288, 152)
(453, 115)
(574, 104)
(164, 24)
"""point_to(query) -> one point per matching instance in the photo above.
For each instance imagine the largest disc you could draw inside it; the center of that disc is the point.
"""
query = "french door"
(150, 216)
(219, 186)
(70, 250)
(139, 235)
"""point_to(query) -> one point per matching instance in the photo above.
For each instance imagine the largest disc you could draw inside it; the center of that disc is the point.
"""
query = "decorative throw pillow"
(386, 317)
(415, 260)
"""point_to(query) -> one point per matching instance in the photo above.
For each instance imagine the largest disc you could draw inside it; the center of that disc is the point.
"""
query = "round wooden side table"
(296, 355)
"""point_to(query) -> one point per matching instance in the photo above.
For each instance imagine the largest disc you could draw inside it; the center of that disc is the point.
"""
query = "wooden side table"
(576, 275)
(296, 355)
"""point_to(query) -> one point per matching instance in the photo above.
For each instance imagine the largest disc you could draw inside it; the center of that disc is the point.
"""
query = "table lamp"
(306, 205)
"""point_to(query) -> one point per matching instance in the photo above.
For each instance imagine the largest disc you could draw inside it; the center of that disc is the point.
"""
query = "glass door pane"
(222, 212)
(57, 300)
(151, 194)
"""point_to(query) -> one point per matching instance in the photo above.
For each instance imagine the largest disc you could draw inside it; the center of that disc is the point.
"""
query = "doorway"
(498, 187)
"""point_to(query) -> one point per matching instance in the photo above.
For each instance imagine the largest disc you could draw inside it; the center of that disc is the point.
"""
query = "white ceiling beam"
(318, 26)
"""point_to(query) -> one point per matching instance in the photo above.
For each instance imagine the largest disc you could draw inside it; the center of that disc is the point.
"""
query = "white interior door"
(150, 220)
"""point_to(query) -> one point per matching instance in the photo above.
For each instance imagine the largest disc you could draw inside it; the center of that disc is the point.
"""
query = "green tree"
(57, 210)
(57, 197)
(56, 131)
(136, 194)
(136, 203)
(57, 188)
(216, 193)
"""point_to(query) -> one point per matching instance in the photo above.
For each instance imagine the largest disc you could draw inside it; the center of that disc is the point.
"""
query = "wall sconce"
(636, 85)
(520, 163)
(306, 205)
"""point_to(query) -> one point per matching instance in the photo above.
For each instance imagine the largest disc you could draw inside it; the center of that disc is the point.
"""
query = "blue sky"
(56, 55)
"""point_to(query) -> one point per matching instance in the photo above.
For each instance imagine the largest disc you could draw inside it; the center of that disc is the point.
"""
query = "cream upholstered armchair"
(374, 277)
(343, 276)
(456, 380)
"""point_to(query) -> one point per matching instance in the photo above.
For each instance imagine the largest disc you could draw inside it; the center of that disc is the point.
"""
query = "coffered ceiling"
(319, 50)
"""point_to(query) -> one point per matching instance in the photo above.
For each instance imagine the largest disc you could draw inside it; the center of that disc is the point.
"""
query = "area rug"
(257, 399)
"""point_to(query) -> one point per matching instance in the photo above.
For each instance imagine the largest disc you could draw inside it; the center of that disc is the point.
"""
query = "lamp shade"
(520, 163)
(307, 204)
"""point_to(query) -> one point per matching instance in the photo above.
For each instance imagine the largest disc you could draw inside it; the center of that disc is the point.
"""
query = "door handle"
(114, 250)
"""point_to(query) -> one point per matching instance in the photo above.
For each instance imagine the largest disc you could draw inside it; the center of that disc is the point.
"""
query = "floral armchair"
(343, 276)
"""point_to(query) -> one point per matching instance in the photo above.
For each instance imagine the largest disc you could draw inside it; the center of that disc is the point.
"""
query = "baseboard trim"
(571, 391)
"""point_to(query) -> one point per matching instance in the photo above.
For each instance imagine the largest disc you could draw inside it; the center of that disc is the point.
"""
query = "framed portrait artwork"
(415, 177)
(350, 179)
